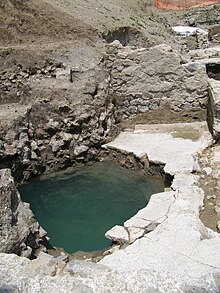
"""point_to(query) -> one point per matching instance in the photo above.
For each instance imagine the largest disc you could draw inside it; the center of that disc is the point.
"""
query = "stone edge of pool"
(167, 233)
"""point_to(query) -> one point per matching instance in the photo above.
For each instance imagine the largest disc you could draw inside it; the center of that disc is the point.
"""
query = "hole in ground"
(213, 71)
(77, 207)
(127, 36)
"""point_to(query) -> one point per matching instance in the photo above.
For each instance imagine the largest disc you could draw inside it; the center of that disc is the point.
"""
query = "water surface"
(77, 207)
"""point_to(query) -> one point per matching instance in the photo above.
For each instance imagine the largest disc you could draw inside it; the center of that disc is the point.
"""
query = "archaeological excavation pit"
(77, 206)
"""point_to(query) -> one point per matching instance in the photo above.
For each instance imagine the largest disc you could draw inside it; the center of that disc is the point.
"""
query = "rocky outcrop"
(151, 79)
(20, 233)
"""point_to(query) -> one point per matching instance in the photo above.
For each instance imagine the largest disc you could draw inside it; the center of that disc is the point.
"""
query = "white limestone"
(178, 242)
(187, 31)
(117, 233)
(163, 146)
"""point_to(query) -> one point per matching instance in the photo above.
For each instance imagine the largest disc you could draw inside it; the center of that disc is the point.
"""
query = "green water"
(76, 208)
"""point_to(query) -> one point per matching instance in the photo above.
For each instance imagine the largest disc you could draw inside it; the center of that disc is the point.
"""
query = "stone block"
(118, 234)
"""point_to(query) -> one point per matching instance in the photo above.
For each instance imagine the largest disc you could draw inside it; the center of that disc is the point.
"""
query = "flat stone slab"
(174, 145)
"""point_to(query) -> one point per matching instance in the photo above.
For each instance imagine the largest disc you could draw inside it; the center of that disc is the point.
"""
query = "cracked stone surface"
(179, 243)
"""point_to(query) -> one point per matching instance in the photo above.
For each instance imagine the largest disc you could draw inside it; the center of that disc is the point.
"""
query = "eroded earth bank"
(81, 81)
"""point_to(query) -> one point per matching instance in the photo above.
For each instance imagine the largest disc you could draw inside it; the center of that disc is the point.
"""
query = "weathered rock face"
(20, 233)
(152, 79)
(65, 122)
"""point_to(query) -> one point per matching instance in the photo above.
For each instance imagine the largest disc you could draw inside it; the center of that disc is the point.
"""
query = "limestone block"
(184, 179)
(187, 198)
(217, 207)
(118, 234)
(156, 209)
(137, 222)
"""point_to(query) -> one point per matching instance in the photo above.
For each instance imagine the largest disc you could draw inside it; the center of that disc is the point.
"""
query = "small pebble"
(208, 170)
(211, 196)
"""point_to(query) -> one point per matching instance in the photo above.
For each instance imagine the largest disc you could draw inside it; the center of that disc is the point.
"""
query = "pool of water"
(77, 207)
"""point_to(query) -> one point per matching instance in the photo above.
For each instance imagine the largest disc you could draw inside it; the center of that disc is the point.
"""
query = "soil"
(209, 163)
(74, 32)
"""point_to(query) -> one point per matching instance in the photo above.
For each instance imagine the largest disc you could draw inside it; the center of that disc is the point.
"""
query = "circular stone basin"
(77, 206)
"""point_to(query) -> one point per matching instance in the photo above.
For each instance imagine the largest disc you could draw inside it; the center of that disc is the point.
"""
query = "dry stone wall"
(152, 78)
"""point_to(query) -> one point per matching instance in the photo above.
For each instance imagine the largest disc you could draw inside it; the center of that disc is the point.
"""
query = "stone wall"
(151, 79)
